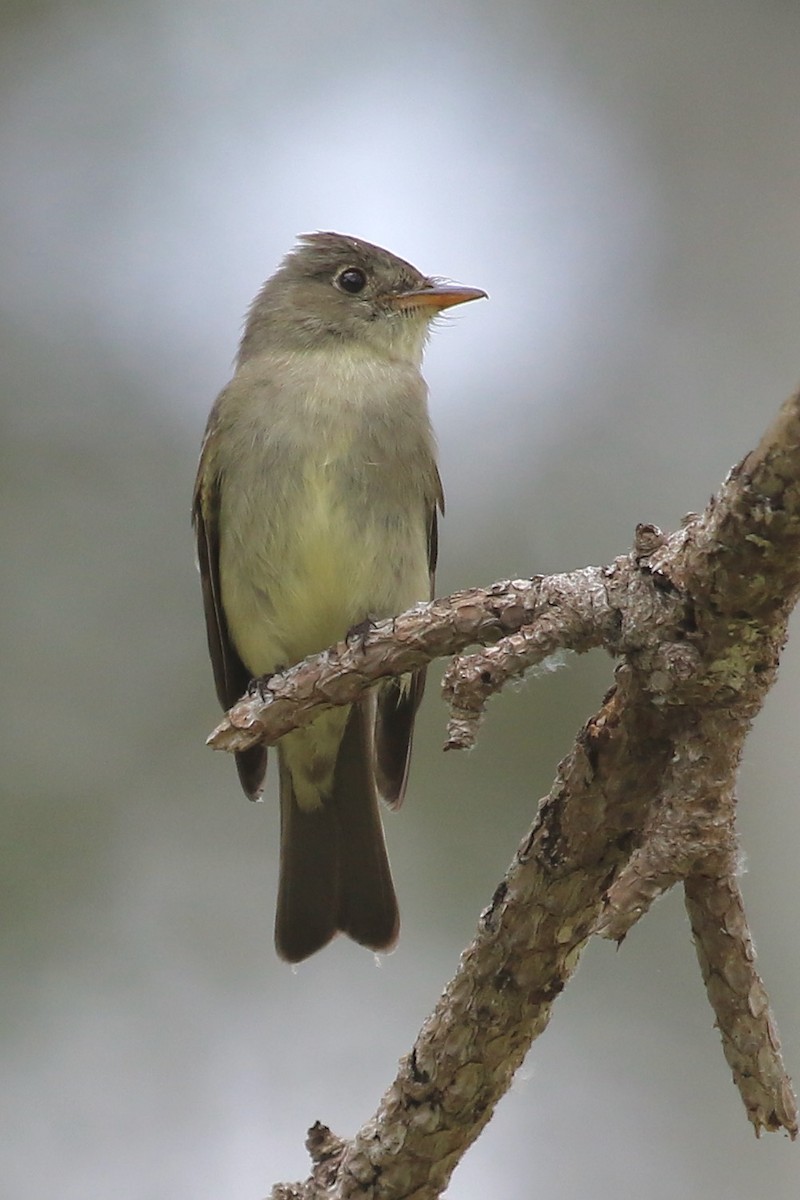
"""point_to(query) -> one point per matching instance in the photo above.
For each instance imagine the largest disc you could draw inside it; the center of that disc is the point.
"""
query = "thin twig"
(750, 1037)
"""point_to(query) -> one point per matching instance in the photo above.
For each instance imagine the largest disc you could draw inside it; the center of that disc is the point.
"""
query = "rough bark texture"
(645, 798)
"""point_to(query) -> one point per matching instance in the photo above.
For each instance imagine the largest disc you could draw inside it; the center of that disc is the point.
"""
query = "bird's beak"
(436, 295)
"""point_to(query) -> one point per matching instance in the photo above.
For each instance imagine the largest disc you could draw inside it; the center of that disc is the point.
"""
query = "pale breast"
(325, 514)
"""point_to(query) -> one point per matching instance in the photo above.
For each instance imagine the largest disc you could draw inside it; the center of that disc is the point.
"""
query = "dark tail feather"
(305, 919)
(252, 767)
(334, 869)
(367, 903)
(394, 726)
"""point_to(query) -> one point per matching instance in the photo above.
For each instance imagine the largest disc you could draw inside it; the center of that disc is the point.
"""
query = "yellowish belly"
(338, 566)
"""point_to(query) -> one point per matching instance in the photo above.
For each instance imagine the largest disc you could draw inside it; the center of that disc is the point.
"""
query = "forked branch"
(697, 621)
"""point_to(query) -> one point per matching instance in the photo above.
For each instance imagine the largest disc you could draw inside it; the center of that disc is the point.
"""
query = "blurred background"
(624, 180)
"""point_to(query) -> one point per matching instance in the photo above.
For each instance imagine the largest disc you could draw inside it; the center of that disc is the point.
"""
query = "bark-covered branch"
(645, 798)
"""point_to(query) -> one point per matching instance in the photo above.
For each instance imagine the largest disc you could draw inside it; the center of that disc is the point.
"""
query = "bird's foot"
(357, 634)
(259, 687)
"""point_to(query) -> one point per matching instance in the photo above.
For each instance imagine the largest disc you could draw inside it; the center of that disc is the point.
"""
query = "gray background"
(624, 179)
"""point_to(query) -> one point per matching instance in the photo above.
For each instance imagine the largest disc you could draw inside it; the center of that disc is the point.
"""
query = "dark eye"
(352, 280)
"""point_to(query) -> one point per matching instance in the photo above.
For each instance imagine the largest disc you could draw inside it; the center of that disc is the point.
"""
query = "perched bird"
(315, 510)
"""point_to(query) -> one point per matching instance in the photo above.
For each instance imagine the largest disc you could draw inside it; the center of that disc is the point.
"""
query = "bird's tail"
(335, 873)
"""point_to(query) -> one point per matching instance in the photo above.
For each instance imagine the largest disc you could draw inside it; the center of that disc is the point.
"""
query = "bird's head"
(332, 289)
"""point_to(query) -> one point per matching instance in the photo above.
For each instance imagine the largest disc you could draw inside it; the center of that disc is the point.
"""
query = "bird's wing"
(437, 506)
(230, 674)
(399, 699)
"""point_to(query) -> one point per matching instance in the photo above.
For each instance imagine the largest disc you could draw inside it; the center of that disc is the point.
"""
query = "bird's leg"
(259, 687)
(357, 634)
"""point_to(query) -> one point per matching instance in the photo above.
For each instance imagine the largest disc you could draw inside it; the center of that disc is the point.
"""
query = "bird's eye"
(352, 280)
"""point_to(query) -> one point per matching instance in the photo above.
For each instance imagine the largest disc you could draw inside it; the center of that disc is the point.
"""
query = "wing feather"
(230, 674)
(399, 699)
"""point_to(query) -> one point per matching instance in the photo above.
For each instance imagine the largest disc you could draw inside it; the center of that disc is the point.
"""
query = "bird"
(315, 512)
